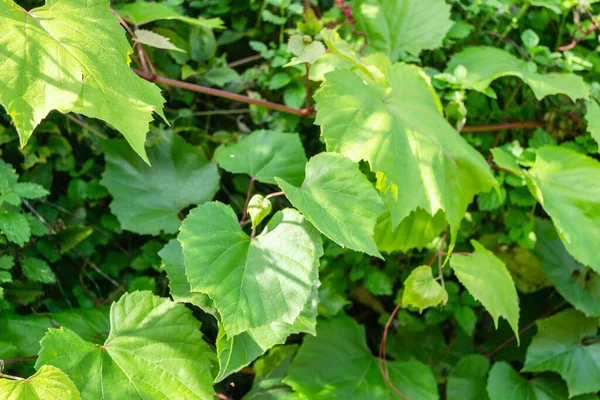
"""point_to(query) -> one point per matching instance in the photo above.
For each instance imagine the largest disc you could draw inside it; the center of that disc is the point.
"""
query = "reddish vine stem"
(382, 361)
(17, 359)
(530, 325)
(304, 113)
(243, 61)
(503, 126)
(275, 194)
(245, 210)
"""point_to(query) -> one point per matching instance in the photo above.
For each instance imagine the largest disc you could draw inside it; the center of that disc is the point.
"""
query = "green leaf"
(153, 39)
(566, 184)
(258, 209)
(147, 199)
(7, 262)
(486, 278)
(506, 160)
(414, 232)
(269, 373)
(339, 201)
(143, 12)
(575, 282)
(364, 122)
(15, 227)
(49, 383)
(422, 291)
(265, 155)
(154, 350)
(253, 282)
(558, 346)
(505, 383)
(179, 287)
(337, 364)
(37, 270)
(305, 49)
(486, 64)
(29, 190)
(78, 57)
(403, 25)
(235, 353)
(467, 381)
(592, 116)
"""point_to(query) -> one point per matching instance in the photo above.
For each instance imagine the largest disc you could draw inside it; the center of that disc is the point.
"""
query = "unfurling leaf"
(305, 49)
(258, 209)
(422, 291)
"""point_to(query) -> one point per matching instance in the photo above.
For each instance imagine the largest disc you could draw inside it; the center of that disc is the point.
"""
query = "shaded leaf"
(265, 155)
(467, 381)
(339, 356)
(147, 199)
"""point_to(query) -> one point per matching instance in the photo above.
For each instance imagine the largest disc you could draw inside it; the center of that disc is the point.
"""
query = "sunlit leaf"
(422, 291)
(49, 383)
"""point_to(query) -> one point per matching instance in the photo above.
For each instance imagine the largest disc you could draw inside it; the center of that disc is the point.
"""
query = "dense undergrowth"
(285, 199)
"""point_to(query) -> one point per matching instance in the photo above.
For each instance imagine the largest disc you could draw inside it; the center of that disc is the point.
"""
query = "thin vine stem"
(503, 126)
(382, 360)
(276, 194)
(304, 113)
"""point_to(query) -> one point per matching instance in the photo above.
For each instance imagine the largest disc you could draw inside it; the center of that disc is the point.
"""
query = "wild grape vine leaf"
(269, 373)
(258, 208)
(153, 39)
(579, 285)
(559, 346)
(566, 184)
(179, 287)
(504, 383)
(421, 160)
(265, 155)
(467, 380)
(482, 65)
(339, 201)
(235, 353)
(305, 49)
(403, 25)
(414, 232)
(143, 12)
(78, 58)
(485, 276)
(253, 281)
(49, 383)
(154, 350)
(26, 331)
(146, 199)
(337, 364)
(592, 116)
(422, 291)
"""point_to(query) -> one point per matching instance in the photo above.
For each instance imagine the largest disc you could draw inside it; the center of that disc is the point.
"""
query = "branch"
(504, 126)
(304, 113)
